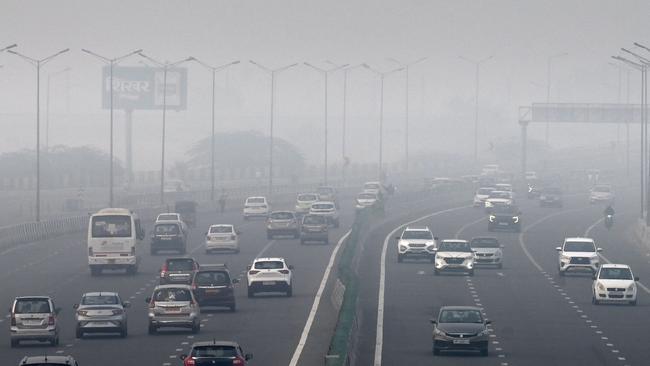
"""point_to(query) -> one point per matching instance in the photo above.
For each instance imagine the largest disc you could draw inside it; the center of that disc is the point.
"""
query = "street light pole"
(325, 73)
(406, 67)
(213, 70)
(477, 64)
(111, 62)
(548, 88)
(272, 73)
(38, 63)
(165, 66)
(382, 76)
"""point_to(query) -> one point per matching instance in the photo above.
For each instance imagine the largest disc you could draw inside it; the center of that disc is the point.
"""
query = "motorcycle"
(609, 221)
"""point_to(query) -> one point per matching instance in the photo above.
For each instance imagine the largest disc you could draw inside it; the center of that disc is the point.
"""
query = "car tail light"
(284, 271)
(13, 321)
(118, 312)
(238, 361)
(194, 286)
(163, 270)
(50, 320)
(189, 361)
(253, 272)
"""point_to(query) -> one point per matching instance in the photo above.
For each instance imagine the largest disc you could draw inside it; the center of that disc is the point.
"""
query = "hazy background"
(519, 34)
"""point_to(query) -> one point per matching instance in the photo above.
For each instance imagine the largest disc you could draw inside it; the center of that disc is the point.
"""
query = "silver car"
(34, 318)
(173, 306)
(282, 223)
(101, 312)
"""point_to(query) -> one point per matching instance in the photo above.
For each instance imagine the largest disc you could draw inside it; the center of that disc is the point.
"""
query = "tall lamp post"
(47, 106)
(477, 64)
(406, 67)
(213, 70)
(345, 106)
(272, 73)
(325, 73)
(111, 63)
(548, 88)
(382, 76)
(165, 66)
(38, 63)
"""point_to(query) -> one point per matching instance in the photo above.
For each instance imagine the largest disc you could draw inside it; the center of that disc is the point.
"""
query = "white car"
(601, 193)
(256, 207)
(366, 199)
(222, 237)
(416, 242)
(372, 187)
(304, 201)
(327, 209)
(614, 283)
(481, 195)
(578, 254)
(499, 198)
(488, 251)
(454, 255)
(269, 275)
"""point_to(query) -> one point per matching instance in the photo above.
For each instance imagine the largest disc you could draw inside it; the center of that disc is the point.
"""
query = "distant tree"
(247, 149)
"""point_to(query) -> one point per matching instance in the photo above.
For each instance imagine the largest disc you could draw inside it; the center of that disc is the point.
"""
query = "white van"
(114, 235)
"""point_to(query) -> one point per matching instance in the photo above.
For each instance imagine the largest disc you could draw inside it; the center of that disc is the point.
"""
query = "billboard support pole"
(129, 146)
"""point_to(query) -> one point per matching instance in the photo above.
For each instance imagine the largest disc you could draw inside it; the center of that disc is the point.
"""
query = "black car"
(216, 353)
(213, 286)
(505, 217)
(168, 235)
(551, 196)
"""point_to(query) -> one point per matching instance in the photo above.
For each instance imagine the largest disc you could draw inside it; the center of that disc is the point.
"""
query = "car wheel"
(78, 333)
(290, 291)
(485, 352)
(152, 329)
(594, 300)
(436, 272)
(400, 258)
(14, 343)
(251, 293)
(124, 332)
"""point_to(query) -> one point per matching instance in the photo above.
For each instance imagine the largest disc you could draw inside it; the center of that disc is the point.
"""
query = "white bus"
(114, 235)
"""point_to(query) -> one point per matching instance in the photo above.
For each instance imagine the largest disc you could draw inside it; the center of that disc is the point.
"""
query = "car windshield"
(100, 300)
(32, 306)
(615, 274)
(307, 197)
(215, 351)
(166, 229)
(454, 246)
(322, 206)
(499, 194)
(256, 200)
(223, 229)
(460, 316)
(172, 294)
(417, 234)
(366, 196)
(116, 226)
(214, 278)
(269, 265)
(180, 265)
(167, 217)
(485, 243)
(282, 216)
(314, 220)
(484, 191)
(579, 246)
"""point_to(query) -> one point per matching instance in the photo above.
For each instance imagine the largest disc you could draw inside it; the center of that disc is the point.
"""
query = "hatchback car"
(314, 228)
(34, 318)
(304, 201)
(282, 223)
(101, 312)
(178, 270)
(601, 193)
(614, 283)
(481, 195)
(578, 254)
(222, 237)
(256, 207)
(168, 235)
(368, 200)
(327, 193)
(216, 353)
(213, 286)
(460, 328)
(488, 251)
(48, 361)
(270, 275)
(173, 306)
(327, 210)
(454, 255)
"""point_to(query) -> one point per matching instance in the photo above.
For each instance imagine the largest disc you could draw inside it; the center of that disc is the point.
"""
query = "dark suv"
(505, 217)
(178, 271)
(168, 235)
(213, 286)
(216, 353)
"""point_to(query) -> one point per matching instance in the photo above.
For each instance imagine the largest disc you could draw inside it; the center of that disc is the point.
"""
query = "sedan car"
(488, 251)
(173, 306)
(454, 255)
(367, 200)
(282, 223)
(614, 283)
(498, 198)
(327, 210)
(460, 328)
(216, 353)
(504, 217)
(168, 235)
(101, 312)
(48, 360)
(256, 207)
(269, 275)
(304, 201)
(222, 237)
(551, 196)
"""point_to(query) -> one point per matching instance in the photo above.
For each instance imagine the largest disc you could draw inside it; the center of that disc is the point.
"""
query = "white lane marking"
(462, 228)
(522, 244)
(314, 308)
(592, 226)
(266, 247)
(379, 339)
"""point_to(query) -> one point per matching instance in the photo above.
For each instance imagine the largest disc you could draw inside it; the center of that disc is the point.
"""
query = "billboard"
(142, 87)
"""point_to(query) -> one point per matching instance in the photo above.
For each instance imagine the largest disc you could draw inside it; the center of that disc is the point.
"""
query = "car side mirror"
(636, 278)
(235, 281)
(147, 299)
(182, 357)
(126, 304)
(248, 356)
(433, 321)
(488, 321)
(75, 306)
(559, 249)
(248, 267)
(599, 250)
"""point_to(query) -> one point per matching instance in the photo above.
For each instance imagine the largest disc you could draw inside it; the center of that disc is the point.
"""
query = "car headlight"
(601, 287)
(439, 332)
(402, 248)
(565, 257)
(515, 219)
(498, 253)
(484, 332)
(631, 287)
(492, 218)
